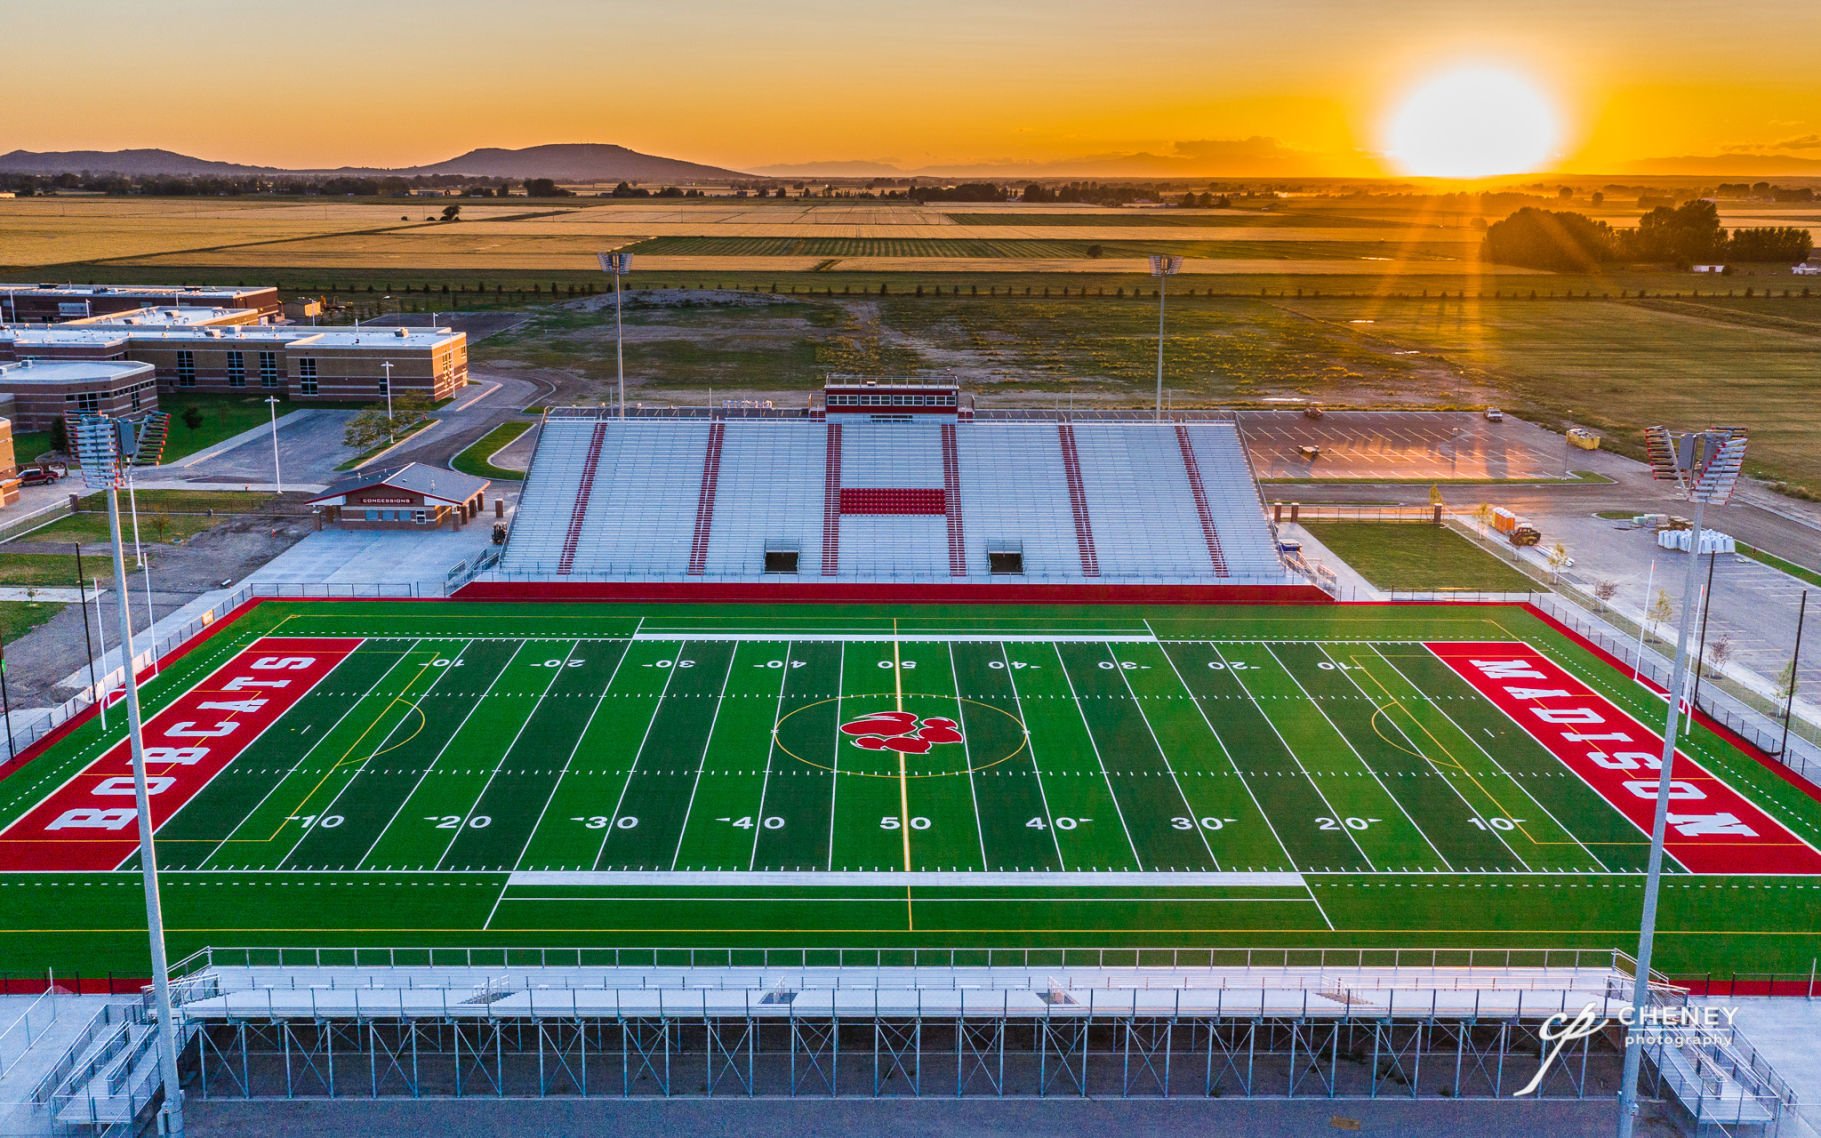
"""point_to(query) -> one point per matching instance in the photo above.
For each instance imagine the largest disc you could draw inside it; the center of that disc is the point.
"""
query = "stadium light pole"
(1163, 268)
(619, 264)
(278, 478)
(107, 447)
(1705, 467)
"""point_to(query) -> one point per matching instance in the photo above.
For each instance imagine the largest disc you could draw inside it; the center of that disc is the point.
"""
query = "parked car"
(1494, 415)
(38, 476)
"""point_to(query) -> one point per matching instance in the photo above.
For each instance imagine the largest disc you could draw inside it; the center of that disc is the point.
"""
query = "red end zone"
(89, 823)
(1712, 827)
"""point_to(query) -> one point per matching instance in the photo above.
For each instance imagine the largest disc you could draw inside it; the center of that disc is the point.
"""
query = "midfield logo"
(901, 731)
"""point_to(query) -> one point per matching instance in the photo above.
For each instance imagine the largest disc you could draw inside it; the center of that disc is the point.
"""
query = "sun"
(1472, 121)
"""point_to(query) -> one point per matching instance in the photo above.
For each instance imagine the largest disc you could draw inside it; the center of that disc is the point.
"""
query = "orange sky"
(756, 83)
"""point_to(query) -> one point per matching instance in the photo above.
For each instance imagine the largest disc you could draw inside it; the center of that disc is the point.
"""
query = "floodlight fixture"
(618, 263)
(1704, 466)
(1163, 267)
(108, 449)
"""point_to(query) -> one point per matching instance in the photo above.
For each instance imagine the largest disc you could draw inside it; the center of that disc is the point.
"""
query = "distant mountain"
(566, 162)
(1731, 165)
(575, 162)
(134, 162)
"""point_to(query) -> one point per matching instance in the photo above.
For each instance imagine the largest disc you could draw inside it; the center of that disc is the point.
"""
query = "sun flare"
(1472, 121)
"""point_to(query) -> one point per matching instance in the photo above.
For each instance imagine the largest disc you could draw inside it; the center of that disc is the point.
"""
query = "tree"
(1786, 680)
(1689, 234)
(366, 430)
(60, 435)
(545, 188)
(192, 417)
(1604, 591)
(1661, 611)
(1719, 651)
(1558, 560)
(1548, 239)
(1787, 245)
(1095, 251)
(1482, 514)
(452, 212)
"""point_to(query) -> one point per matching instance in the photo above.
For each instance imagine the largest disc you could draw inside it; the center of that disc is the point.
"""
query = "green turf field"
(607, 775)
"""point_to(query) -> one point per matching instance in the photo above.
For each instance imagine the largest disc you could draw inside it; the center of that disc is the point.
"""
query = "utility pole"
(619, 264)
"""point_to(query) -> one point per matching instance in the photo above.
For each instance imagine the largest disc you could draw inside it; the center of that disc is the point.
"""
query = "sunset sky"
(1299, 87)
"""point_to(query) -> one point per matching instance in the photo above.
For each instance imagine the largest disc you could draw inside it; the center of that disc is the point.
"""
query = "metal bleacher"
(668, 498)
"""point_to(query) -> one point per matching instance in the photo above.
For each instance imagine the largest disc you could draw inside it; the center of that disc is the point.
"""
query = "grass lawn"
(47, 568)
(1416, 556)
(474, 459)
(19, 617)
(222, 417)
(1800, 572)
(164, 515)
(28, 445)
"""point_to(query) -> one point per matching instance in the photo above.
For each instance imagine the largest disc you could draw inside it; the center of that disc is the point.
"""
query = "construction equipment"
(1525, 534)
(1583, 438)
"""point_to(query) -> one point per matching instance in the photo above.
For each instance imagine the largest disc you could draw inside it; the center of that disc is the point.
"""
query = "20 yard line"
(555, 674)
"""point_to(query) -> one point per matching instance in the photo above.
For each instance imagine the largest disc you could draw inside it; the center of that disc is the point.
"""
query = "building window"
(134, 396)
(87, 402)
(420, 516)
(373, 516)
(385, 383)
(268, 369)
(306, 377)
(237, 369)
(186, 368)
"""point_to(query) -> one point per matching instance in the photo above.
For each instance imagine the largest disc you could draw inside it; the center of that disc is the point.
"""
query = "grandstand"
(881, 494)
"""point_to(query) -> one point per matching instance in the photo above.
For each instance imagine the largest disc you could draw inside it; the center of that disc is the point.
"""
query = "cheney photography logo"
(1686, 1026)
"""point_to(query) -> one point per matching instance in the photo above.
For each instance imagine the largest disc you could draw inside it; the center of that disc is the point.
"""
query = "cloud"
(1255, 148)
(1805, 142)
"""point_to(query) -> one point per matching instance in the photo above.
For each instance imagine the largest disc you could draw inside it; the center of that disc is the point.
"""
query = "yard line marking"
(555, 674)
(343, 761)
(770, 753)
(834, 786)
(599, 700)
(1222, 744)
(911, 637)
(1313, 899)
(657, 708)
(473, 706)
(361, 766)
(1418, 750)
(1395, 801)
(890, 877)
(1481, 748)
(1138, 705)
(353, 705)
(1075, 701)
(1227, 665)
(967, 756)
(903, 779)
(1030, 745)
(714, 717)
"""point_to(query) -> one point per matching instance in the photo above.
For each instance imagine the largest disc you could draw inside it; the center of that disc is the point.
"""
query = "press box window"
(1005, 558)
(780, 559)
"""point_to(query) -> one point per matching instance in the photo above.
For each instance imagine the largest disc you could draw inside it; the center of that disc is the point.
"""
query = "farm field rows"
(502, 774)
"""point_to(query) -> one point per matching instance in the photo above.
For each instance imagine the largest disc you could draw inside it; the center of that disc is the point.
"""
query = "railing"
(546, 573)
(995, 415)
(16, 1040)
(39, 518)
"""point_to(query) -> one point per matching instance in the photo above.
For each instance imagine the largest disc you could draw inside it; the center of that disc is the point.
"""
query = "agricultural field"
(938, 248)
(414, 775)
(1622, 366)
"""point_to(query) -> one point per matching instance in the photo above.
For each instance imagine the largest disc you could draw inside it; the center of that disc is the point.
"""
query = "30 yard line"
(714, 717)
(657, 709)
(564, 773)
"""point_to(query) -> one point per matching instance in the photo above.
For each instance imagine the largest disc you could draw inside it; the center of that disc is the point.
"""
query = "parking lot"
(1387, 446)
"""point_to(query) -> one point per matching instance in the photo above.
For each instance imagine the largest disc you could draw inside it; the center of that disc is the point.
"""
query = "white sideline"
(886, 636)
(893, 877)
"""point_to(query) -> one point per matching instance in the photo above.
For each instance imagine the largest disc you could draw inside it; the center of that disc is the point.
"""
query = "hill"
(566, 162)
(133, 162)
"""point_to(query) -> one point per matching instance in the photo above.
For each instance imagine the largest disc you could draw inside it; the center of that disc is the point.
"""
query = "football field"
(506, 775)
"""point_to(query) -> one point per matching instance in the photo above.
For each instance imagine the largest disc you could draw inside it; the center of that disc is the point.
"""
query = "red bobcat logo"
(901, 731)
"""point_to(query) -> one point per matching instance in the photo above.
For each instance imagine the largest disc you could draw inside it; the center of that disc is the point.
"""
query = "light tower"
(1163, 268)
(619, 264)
(1704, 466)
(109, 449)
